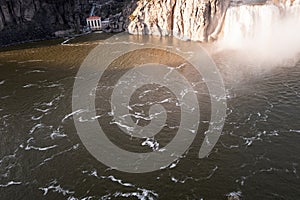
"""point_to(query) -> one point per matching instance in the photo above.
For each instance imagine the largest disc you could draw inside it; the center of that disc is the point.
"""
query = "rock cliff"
(23, 20)
(198, 20)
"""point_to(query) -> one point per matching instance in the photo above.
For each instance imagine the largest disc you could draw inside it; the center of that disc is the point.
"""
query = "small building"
(94, 22)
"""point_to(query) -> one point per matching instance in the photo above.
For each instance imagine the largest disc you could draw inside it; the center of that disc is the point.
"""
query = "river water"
(42, 157)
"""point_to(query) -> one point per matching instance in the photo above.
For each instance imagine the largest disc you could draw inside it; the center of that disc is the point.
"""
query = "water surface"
(42, 157)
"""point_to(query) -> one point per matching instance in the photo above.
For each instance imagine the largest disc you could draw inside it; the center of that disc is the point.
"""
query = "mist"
(264, 34)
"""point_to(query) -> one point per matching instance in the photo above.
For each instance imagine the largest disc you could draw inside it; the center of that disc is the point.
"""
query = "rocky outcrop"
(198, 20)
(23, 20)
(37, 19)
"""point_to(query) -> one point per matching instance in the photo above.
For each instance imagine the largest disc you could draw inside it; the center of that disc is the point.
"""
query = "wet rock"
(29, 13)
(6, 13)
(1, 22)
(16, 8)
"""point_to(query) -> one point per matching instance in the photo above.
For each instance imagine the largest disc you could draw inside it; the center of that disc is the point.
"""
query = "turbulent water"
(42, 156)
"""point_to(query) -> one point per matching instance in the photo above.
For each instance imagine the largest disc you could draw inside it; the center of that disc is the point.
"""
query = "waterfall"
(294, 10)
(244, 23)
(270, 30)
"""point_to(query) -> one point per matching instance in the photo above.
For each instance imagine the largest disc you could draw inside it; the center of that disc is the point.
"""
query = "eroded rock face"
(37, 19)
(23, 20)
(152, 17)
(198, 20)
(189, 19)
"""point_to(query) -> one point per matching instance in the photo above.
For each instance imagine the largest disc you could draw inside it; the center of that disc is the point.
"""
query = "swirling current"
(42, 156)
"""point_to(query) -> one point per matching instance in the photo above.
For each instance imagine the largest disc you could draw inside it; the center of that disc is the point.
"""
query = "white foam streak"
(10, 183)
(55, 187)
(73, 113)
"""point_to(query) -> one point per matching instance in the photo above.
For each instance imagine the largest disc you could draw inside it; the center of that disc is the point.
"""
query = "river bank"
(87, 38)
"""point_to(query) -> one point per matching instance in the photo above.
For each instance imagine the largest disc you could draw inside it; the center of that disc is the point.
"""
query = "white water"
(268, 32)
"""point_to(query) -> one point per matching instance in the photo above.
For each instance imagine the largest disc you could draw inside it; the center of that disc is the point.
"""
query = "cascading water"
(267, 30)
(294, 9)
(248, 22)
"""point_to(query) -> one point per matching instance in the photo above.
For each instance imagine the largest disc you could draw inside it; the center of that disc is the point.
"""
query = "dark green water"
(42, 157)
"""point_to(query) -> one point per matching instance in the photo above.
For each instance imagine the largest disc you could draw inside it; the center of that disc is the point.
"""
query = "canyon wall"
(37, 19)
(199, 20)
(23, 20)
(208, 20)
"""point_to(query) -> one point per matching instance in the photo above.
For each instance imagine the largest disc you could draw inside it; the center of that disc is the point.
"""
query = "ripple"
(45, 161)
(35, 127)
(43, 110)
(11, 183)
(140, 193)
(30, 85)
(73, 113)
(53, 85)
(175, 180)
(5, 97)
(55, 187)
(30, 147)
(152, 143)
(234, 195)
(29, 61)
(295, 131)
(58, 133)
(51, 103)
(34, 118)
(35, 71)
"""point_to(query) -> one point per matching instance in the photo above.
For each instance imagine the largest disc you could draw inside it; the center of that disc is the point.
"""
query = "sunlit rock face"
(207, 20)
(198, 20)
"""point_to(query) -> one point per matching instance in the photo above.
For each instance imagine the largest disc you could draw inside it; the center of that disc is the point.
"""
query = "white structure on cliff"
(94, 22)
